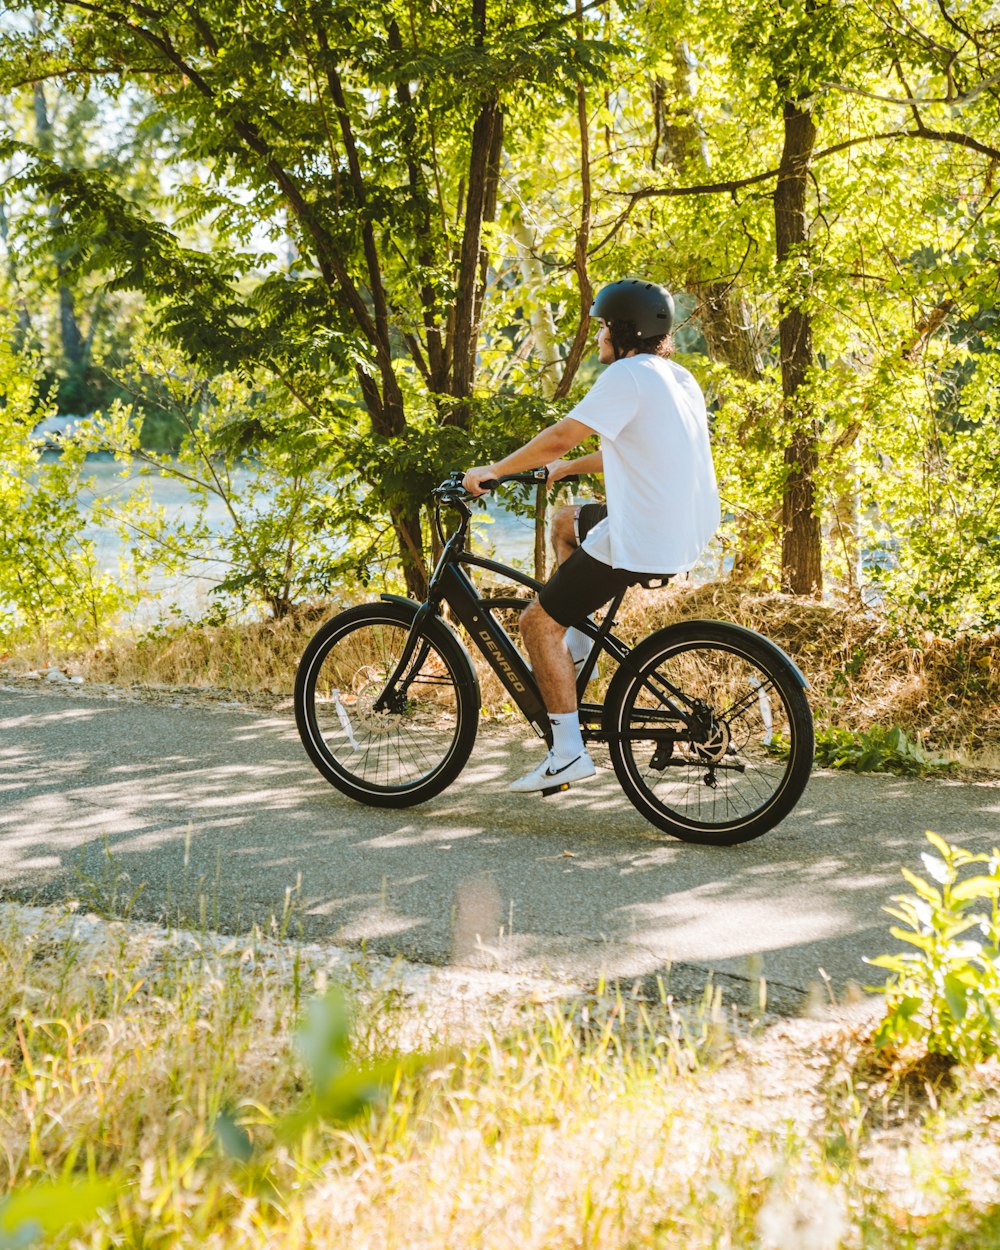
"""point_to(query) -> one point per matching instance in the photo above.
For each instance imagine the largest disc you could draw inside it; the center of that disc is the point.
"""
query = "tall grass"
(605, 1122)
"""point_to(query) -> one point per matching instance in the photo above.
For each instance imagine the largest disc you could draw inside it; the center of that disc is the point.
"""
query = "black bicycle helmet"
(649, 307)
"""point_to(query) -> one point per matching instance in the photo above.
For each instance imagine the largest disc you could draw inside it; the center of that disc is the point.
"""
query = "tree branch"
(358, 182)
(910, 101)
(738, 184)
(331, 265)
(956, 137)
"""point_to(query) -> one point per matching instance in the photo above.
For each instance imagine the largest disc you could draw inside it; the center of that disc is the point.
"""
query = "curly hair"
(625, 338)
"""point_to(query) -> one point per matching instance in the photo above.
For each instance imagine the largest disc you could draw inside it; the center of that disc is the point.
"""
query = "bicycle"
(707, 723)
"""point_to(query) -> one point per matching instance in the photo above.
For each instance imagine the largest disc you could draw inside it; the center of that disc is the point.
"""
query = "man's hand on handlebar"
(485, 477)
(474, 478)
(558, 469)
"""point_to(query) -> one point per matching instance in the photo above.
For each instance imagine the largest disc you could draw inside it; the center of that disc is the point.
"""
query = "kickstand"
(555, 790)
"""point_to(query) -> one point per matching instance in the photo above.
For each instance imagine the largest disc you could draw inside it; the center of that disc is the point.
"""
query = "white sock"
(567, 740)
(578, 644)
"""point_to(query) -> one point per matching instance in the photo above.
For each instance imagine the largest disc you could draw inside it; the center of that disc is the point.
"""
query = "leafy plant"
(945, 994)
(876, 750)
(51, 582)
(50, 1207)
(341, 1090)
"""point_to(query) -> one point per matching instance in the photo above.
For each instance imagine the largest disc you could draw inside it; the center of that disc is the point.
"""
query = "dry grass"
(862, 672)
(258, 658)
(604, 1123)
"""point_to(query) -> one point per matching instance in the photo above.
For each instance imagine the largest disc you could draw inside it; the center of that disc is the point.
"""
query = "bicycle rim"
(419, 736)
(740, 768)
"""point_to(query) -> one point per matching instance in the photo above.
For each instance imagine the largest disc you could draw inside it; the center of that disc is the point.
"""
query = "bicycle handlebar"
(531, 477)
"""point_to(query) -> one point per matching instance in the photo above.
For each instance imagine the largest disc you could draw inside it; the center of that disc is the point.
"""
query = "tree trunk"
(847, 526)
(579, 344)
(69, 329)
(801, 550)
(406, 523)
(484, 161)
(729, 334)
(546, 343)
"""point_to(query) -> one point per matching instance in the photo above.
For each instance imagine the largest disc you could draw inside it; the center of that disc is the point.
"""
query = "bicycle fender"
(403, 599)
(779, 654)
(438, 622)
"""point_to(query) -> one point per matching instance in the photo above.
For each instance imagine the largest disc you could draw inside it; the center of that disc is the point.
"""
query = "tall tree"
(379, 132)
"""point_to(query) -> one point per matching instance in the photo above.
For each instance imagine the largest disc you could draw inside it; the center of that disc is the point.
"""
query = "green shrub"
(875, 750)
(945, 994)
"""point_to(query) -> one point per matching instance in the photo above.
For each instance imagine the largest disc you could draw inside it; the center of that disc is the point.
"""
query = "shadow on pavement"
(218, 815)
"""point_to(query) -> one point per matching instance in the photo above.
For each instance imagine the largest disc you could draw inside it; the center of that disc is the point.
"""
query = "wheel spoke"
(369, 736)
(747, 727)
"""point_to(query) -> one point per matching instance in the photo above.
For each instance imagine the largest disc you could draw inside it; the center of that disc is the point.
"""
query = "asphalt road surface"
(221, 820)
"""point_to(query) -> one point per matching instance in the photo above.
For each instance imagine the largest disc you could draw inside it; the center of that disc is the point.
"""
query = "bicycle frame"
(451, 585)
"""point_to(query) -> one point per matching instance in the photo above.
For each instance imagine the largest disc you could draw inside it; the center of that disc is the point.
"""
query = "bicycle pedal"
(555, 790)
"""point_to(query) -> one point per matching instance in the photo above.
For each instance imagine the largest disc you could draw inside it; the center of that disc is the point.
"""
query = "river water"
(506, 537)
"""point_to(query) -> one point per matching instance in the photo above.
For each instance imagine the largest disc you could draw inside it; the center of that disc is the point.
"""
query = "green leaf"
(52, 1207)
(936, 841)
(908, 1007)
(354, 1092)
(956, 995)
(922, 888)
(895, 963)
(914, 939)
(976, 887)
(324, 1038)
(233, 1139)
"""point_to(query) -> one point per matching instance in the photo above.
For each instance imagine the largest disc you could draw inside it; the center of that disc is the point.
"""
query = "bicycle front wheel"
(387, 747)
(710, 732)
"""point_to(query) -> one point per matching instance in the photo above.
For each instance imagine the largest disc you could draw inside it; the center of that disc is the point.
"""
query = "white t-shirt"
(663, 502)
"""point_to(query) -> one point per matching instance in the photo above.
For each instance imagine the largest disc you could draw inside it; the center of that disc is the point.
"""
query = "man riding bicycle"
(662, 509)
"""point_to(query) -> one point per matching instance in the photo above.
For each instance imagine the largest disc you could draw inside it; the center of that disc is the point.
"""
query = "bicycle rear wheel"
(385, 748)
(737, 760)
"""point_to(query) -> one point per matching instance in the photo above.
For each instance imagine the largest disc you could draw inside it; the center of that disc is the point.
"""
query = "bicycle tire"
(396, 757)
(733, 779)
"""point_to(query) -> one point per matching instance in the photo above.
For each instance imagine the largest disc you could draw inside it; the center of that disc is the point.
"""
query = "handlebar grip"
(533, 477)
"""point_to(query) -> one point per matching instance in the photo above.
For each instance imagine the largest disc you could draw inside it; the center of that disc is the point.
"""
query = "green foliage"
(278, 541)
(800, 44)
(933, 489)
(51, 583)
(287, 195)
(402, 470)
(48, 1208)
(875, 750)
(341, 1090)
(945, 994)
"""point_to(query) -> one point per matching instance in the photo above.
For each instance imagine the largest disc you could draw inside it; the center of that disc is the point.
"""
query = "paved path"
(217, 813)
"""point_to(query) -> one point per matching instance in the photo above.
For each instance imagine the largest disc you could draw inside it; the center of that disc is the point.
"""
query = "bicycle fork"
(394, 690)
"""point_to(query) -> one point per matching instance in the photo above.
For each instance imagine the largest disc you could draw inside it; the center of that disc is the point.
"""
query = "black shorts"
(581, 584)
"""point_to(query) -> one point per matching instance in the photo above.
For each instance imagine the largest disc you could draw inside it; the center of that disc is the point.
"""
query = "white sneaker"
(550, 775)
